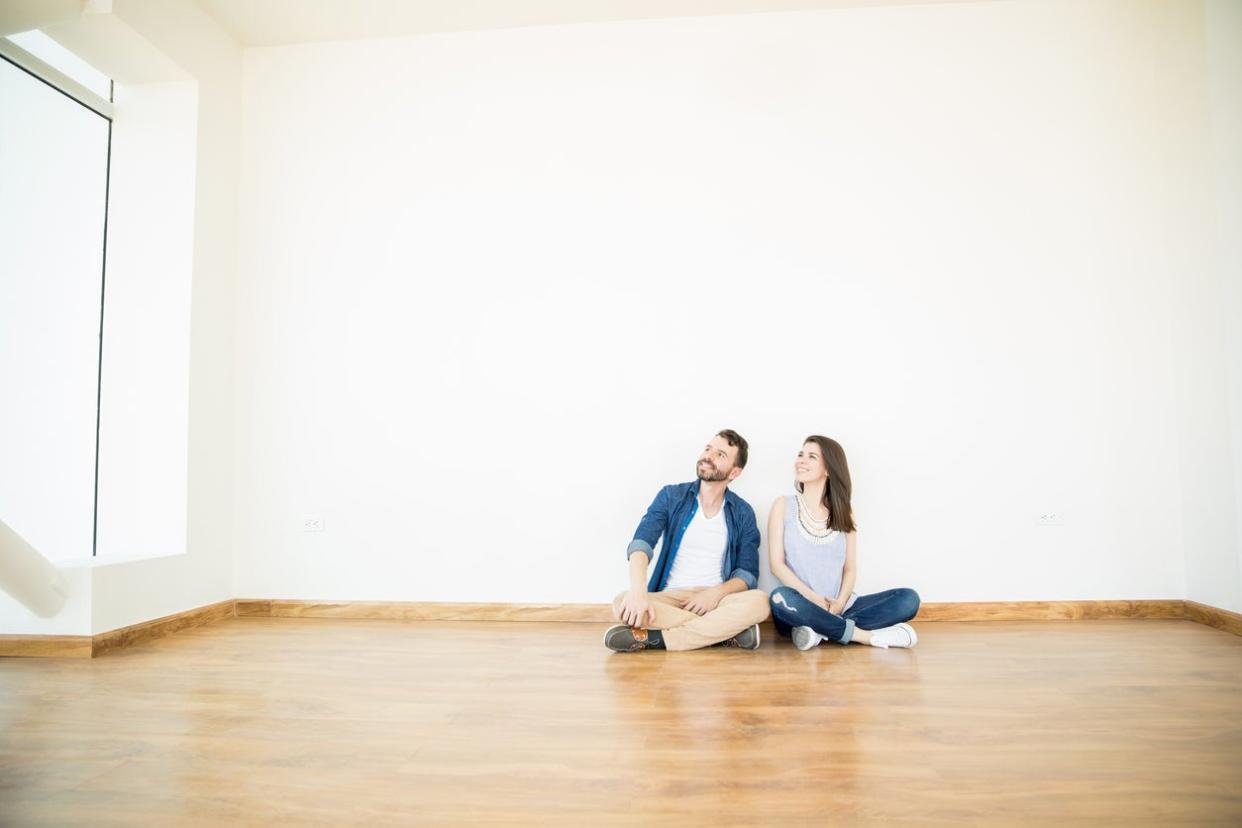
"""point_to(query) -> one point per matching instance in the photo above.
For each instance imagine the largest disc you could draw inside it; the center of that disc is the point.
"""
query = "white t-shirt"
(701, 553)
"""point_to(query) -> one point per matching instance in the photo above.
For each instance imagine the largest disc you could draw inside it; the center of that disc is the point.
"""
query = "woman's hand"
(836, 606)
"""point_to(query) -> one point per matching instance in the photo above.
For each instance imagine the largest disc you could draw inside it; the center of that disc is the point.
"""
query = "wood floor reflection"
(264, 720)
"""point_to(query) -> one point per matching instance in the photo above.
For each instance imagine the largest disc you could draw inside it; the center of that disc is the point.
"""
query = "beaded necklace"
(815, 529)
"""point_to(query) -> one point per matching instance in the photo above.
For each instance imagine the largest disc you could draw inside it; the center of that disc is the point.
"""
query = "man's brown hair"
(734, 439)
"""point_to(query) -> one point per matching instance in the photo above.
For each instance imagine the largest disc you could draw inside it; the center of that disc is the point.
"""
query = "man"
(702, 591)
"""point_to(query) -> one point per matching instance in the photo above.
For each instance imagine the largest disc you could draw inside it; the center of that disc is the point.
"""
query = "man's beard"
(709, 473)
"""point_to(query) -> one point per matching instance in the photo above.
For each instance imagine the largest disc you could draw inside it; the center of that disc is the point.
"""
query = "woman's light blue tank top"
(818, 562)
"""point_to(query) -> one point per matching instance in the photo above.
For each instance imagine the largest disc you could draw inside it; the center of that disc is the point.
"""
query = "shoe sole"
(914, 637)
(804, 638)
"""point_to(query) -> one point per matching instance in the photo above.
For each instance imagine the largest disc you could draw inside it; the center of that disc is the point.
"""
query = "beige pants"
(685, 630)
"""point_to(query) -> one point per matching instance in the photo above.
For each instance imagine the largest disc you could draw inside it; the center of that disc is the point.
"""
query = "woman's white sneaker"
(804, 638)
(898, 635)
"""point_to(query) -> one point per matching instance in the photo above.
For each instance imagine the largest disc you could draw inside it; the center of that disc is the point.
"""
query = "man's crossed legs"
(681, 629)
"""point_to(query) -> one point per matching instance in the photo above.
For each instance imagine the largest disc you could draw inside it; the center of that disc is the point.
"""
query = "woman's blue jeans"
(869, 612)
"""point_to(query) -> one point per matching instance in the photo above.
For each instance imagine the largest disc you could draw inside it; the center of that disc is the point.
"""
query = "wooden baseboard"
(45, 646)
(1221, 619)
(1171, 609)
(85, 646)
(602, 613)
(424, 611)
(159, 627)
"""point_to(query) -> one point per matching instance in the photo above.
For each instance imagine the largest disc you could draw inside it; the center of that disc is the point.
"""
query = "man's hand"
(704, 601)
(636, 609)
(836, 606)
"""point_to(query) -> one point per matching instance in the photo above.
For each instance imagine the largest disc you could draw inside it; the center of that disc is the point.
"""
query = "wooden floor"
(264, 720)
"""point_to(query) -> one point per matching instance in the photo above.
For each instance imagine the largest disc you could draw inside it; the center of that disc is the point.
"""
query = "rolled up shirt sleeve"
(748, 550)
(651, 527)
(748, 578)
(639, 545)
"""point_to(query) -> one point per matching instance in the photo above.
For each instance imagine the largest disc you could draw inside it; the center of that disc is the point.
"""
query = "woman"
(813, 550)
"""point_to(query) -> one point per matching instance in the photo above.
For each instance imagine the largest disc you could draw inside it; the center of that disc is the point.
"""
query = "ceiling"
(282, 22)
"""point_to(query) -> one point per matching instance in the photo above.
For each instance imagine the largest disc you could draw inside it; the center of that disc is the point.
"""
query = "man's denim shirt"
(669, 515)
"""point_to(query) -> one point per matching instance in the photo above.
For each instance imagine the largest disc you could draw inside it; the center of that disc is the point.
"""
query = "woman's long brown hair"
(837, 487)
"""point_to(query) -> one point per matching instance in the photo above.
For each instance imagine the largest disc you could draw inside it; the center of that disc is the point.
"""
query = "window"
(54, 166)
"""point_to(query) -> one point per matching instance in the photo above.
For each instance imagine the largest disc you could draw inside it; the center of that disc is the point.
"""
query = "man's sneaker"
(898, 635)
(625, 639)
(805, 638)
(747, 639)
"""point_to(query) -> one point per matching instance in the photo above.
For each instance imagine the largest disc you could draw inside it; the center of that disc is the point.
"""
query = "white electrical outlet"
(312, 524)
(1050, 519)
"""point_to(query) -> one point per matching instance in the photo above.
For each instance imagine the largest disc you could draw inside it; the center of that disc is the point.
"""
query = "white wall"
(496, 288)
(1224, 21)
(548, 263)
(74, 617)
(126, 593)
(1214, 481)
(146, 345)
